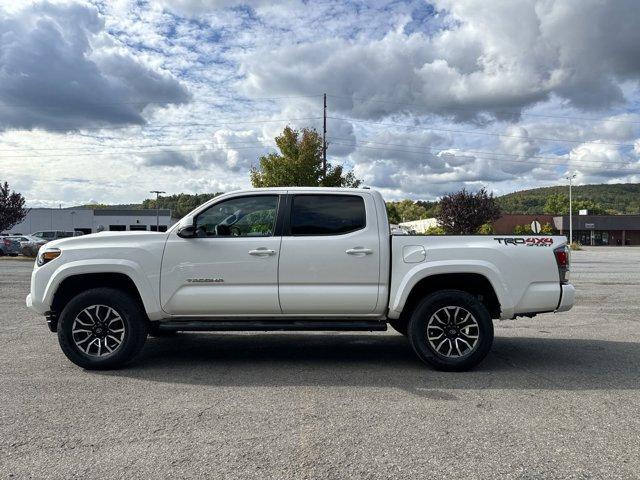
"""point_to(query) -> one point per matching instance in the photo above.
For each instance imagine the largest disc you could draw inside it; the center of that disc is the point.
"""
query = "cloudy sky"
(103, 101)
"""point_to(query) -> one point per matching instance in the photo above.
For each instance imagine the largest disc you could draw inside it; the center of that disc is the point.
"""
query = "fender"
(131, 269)
(421, 271)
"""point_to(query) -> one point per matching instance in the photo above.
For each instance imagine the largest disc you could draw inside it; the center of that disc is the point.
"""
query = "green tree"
(463, 213)
(299, 164)
(435, 230)
(180, 204)
(558, 204)
(12, 209)
(486, 229)
(406, 211)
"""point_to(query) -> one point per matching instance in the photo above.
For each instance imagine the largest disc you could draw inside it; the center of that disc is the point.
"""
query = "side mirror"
(187, 232)
(188, 229)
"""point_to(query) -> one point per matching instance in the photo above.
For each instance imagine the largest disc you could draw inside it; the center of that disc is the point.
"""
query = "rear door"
(330, 255)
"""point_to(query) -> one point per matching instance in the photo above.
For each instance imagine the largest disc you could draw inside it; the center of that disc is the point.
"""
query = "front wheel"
(102, 328)
(451, 330)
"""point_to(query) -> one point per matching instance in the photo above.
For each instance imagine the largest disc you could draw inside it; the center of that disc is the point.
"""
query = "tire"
(453, 348)
(102, 315)
(399, 326)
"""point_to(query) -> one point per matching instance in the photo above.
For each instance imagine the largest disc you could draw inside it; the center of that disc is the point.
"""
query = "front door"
(330, 255)
(231, 266)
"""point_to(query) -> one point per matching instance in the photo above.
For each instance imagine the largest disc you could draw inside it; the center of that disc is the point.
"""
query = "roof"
(599, 222)
(114, 212)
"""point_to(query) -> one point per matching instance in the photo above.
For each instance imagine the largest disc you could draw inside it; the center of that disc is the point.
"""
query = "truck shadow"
(370, 360)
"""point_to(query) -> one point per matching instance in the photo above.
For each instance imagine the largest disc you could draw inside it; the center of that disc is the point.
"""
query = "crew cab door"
(330, 255)
(231, 266)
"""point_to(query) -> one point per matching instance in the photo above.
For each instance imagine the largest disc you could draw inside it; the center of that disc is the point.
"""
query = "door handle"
(359, 251)
(262, 252)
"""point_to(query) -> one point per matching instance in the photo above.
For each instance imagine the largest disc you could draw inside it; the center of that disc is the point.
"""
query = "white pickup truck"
(293, 259)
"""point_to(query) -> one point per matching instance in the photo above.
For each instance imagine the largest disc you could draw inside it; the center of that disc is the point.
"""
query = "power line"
(460, 154)
(474, 132)
(465, 150)
(168, 101)
(506, 112)
(173, 125)
(90, 154)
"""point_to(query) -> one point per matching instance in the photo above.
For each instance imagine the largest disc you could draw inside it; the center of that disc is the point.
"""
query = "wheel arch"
(473, 283)
(73, 279)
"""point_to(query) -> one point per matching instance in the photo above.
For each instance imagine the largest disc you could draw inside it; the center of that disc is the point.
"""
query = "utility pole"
(570, 177)
(324, 139)
(157, 192)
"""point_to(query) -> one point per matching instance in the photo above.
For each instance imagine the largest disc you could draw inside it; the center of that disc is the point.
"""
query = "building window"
(159, 228)
(138, 227)
(117, 228)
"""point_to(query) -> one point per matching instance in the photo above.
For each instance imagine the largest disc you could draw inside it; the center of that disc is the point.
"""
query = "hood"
(107, 237)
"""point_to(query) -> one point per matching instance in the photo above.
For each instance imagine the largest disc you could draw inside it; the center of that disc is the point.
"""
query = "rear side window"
(327, 214)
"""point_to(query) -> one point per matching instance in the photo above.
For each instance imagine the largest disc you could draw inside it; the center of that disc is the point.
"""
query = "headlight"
(45, 255)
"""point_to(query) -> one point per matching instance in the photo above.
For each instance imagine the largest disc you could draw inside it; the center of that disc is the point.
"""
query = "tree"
(558, 204)
(406, 211)
(180, 204)
(299, 164)
(463, 213)
(12, 209)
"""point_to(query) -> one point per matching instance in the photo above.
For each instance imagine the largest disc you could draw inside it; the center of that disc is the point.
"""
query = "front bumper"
(567, 296)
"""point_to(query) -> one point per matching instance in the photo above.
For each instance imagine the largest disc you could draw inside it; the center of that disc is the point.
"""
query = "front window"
(239, 217)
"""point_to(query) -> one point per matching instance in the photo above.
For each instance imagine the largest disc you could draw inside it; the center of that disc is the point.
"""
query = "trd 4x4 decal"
(529, 242)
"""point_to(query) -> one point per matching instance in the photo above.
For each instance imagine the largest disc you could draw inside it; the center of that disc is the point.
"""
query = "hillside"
(619, 198)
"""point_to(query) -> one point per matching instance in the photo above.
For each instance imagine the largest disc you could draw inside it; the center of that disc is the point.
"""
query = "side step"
(275, 325)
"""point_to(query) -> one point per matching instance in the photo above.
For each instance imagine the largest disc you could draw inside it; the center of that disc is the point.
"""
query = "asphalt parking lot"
(558, 397)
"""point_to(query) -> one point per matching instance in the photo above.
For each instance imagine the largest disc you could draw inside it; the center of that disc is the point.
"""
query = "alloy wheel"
(453, 332)
(98, 331)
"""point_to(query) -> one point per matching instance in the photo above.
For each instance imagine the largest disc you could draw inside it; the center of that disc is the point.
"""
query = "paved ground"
(557, 398)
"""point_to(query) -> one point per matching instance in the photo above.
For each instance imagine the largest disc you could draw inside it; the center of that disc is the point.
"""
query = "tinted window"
(239, 217)
(327, 214)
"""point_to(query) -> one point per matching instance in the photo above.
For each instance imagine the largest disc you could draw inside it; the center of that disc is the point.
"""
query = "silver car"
(8, 246)
(29, 244)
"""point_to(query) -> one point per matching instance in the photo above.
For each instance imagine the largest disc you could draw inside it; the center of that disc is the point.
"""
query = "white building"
(91, 221)
(420, 226)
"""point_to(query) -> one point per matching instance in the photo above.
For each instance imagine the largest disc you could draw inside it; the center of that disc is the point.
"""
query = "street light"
(157, 192)
(570, 177)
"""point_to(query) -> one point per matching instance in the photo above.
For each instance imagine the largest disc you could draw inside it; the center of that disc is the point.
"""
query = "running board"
(268, 326)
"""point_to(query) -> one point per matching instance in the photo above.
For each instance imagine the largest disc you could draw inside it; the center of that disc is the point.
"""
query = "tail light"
(562, 259)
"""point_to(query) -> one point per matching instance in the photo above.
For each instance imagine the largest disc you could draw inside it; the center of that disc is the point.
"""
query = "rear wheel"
(451, 330)
(102, 328)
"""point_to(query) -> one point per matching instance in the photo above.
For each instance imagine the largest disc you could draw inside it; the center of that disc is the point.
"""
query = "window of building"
(138, 227)
(327, 214)
(158, 228)
(253, 216)
(117, 228)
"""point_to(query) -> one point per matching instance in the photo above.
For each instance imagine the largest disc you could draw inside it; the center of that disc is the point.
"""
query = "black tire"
(437, 303)
(399, 325)
(124, 306)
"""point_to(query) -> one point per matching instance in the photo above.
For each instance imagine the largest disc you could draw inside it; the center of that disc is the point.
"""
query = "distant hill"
(619, 198)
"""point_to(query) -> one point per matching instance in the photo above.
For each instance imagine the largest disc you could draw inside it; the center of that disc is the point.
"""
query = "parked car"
(50, 235)
(29, 244)
(8, 246)
(294, 259)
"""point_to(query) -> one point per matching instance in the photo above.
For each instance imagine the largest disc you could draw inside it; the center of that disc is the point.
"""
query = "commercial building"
(615, 230)
(507, 223)
(92, 221)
